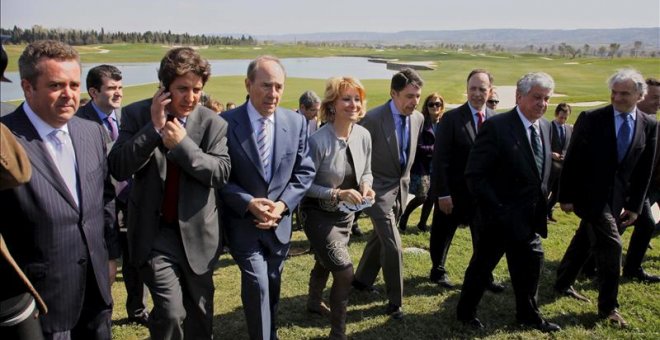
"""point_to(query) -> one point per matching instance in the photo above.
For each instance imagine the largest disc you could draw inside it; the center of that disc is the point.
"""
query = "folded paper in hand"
(347, 207)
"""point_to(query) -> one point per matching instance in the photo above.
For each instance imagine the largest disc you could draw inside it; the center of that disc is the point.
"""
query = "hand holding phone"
(160, 100)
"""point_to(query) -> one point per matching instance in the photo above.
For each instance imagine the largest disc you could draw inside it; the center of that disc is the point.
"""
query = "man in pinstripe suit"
(59, 225)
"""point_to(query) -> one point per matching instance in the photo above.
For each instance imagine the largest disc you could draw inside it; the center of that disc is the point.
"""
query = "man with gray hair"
(607, 170)
(309, 106)
(507, 173)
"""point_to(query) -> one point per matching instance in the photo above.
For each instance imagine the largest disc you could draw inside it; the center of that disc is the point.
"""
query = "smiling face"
(407, 99)
(534, 104)
(266, 87)
(56, 91)
(185, 92)
(348, 106)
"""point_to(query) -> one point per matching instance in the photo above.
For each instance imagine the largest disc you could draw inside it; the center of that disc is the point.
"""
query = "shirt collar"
(395, 111)
(254, 115)
(43, 129)
(102, 115)
(632, 114)
(475, 111)
(526, 121)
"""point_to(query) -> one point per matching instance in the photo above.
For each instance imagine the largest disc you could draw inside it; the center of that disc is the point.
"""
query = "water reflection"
(311, 68)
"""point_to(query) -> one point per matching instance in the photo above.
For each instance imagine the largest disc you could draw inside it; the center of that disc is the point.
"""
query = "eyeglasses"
(435, 104)
(493, 101)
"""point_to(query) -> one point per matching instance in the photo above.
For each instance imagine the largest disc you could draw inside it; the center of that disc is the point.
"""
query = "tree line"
(19, 35)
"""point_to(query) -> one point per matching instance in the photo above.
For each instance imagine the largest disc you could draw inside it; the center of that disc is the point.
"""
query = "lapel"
(245, 136)
(639, 131)
(546, 131)
(521, 140)
(282, 126)
(467, 122)
(82, 150)
(389, 131)
(89, 113)
(415, 127)
(40, 156)
(609, 133)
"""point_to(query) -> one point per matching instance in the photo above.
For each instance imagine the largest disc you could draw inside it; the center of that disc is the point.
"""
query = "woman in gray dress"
(341, 151)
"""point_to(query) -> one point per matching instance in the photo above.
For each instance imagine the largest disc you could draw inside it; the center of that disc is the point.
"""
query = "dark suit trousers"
(442, 233)
(183, 300)
(601, 238)
(261, 262)
(136, 294)
(641, 236)
(525, 259)
(553, 187)
(95, 320)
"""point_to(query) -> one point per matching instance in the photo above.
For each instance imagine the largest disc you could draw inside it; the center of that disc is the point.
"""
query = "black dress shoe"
(642, 276)
(473, 323)
(495, 287)
(544, 326)
(394, 311)
(442, 281)
(140, 320)
(571, 292)
(357, 285)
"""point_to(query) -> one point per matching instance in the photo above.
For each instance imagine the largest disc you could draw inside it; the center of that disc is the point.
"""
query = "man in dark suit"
(645, 224)
(176, 152)
(606, 170)
(394, 127)
(271, 171)
(561, 135)
(455, 137)
(59, 225)
(104, 86)
(507, 173)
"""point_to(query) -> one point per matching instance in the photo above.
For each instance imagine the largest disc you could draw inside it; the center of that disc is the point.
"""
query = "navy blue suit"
(260, 253)
(63, 247)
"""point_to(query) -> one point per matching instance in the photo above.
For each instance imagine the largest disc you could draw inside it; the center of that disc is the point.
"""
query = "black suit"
(502, 176)
(62, 246)
(558, 145)
(599, 186)
(453, 142)
(136, 294)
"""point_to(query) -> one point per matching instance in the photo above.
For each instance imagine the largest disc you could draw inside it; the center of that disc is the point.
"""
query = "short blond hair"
(334, 87)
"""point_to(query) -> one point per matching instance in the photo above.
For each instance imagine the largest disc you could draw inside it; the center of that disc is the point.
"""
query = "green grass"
(430, 310)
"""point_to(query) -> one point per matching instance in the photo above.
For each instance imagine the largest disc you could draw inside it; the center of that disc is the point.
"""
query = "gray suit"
(391, 186)
(191, 247)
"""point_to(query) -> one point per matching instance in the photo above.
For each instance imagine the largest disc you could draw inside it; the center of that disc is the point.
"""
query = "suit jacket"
(592, 178)
(204, 167)
(502, 176)
(424, 155)
(557, 146)
(389, 179)
(51, 238)
(88, 112)
(454, 140)
(292, 169)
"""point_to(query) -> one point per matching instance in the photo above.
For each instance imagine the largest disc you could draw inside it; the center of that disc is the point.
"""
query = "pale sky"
(313, 16)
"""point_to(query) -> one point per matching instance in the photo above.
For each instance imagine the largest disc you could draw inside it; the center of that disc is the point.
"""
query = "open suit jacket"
(51, 238)
(502, 176)
(592, 178)
(292, 170)
(454, 140)
(389, 178)
(558, 147)
(204, 162)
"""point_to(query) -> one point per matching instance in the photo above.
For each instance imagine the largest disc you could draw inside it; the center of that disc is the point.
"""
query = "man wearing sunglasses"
(493, 99)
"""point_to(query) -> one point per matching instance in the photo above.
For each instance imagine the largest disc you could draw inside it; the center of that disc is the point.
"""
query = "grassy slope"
(430, 310)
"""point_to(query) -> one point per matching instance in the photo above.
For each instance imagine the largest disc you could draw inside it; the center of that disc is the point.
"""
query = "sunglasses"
(436, 104)
(493, 101)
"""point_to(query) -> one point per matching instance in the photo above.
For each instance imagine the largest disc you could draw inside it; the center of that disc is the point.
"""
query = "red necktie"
(480, 121)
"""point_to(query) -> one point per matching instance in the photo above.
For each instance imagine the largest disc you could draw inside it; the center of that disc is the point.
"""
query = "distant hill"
(650, 37)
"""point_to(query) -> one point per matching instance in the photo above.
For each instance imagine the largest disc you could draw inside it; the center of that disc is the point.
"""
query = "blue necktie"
(403, 145)
(623, 137)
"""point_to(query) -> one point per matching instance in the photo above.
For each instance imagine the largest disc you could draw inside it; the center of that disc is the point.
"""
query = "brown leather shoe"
(615, 319)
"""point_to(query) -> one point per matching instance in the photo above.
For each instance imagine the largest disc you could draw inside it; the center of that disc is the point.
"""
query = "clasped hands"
(266, 212)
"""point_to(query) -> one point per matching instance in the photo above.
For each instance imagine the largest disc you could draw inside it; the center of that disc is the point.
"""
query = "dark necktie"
(480, 119)
(623, 137)
(562, 135)
(536, 148)
(403, 146)
(112, 124)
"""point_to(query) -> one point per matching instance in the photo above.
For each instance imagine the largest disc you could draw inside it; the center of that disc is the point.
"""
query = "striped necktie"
(535, 140)
(263, 144)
